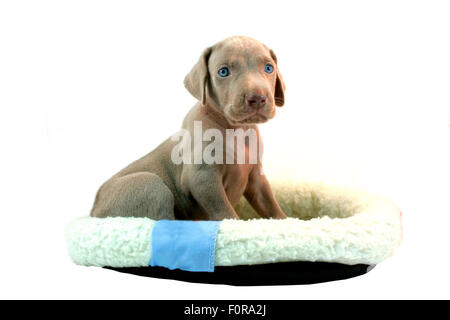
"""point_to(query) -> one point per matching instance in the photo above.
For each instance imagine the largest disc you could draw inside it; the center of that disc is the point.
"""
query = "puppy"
(238, 85)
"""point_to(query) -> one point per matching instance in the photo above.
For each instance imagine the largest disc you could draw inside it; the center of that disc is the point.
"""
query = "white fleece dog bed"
(336, 231)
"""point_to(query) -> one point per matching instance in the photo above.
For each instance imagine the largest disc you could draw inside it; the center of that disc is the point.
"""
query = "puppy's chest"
(243, 149)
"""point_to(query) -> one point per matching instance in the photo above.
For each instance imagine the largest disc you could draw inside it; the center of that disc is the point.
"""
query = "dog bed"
(331, 233)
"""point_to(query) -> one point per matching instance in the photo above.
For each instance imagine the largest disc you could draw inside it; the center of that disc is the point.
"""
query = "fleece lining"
(327, 224)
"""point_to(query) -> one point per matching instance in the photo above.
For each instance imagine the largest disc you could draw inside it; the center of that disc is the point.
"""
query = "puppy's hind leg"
(140, 194)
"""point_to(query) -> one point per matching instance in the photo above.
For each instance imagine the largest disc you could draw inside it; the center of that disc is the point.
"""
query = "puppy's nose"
(255, 100)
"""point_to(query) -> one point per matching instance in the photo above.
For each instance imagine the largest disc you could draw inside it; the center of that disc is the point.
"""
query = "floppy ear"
(197, 79)
(279, 85)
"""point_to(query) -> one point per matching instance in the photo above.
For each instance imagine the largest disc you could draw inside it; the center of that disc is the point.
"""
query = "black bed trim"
(283, 273)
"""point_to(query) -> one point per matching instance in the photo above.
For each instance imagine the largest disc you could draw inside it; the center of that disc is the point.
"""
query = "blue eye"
(224, 72)
(268, 68)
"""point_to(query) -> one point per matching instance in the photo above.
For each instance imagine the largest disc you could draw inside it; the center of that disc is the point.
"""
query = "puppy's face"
(240, 78)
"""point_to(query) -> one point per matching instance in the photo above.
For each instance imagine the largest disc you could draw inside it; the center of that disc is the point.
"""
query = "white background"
(86, 87)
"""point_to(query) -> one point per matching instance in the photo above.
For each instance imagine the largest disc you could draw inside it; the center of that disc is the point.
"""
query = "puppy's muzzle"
(255, 101)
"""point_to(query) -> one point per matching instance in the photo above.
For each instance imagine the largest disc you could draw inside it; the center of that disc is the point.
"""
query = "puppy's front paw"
(279, 215)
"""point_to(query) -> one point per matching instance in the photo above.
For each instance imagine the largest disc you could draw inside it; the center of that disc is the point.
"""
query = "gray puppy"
(238, 85)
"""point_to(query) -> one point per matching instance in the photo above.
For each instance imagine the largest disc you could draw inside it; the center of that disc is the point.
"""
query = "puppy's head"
(239, 76)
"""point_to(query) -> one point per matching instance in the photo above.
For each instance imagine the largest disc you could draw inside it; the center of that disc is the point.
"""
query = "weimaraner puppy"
(238, 85)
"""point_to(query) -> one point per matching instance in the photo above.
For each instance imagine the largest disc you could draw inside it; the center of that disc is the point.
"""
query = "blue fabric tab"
(185, 245)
